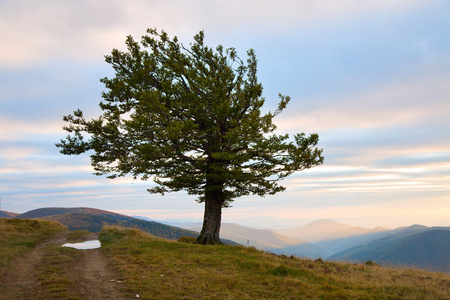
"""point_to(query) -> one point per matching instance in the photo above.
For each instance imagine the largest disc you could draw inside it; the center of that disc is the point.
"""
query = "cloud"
(390, 209)
(16, 129)
(86, 30)
(371, 77)
(403, 103)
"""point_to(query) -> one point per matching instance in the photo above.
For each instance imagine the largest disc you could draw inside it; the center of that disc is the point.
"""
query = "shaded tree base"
(208, 240)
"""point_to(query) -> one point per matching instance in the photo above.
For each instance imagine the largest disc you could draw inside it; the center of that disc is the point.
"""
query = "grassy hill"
(19, 236)
(391, 247)
(91, 219)
(155, 268)
(262, 239)
(94, 223)
(427, 248)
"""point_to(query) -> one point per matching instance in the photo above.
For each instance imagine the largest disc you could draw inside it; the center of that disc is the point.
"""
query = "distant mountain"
(7, 214)
(263, 222)
(415, 246)
(259, 238)
(51, 211)
(331, 247)
(266, 240)
(322, 230)
(84, 218)
(305, 250)
(144, 218)
(327, 248)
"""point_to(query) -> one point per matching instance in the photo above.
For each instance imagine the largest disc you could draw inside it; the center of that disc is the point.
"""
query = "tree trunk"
(214, 199)
(211, 220)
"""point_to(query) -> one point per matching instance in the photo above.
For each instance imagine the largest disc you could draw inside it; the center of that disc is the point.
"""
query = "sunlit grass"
(155, 268)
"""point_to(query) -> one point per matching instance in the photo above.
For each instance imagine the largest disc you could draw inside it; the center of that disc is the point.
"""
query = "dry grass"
(155, 268)
(53, 276)
(18, 236)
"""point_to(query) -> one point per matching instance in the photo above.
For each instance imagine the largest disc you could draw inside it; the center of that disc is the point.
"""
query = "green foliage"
(189, 118)
(161, 269)
(370, 263)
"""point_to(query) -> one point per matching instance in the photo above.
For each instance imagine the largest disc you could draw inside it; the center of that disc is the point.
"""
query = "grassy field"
(21, 235)
(52, 274)
(155, 268)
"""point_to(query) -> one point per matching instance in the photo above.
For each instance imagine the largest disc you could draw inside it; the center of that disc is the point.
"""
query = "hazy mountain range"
(83, 218)
(324, 230)
(418, 246)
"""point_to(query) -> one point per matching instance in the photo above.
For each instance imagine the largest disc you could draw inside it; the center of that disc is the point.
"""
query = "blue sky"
(371, 77)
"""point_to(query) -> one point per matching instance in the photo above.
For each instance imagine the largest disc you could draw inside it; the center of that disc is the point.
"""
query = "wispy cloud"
(84, 29)
(371, 77)
(407, 102)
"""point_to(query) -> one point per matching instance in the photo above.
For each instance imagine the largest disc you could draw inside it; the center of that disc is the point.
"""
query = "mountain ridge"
(93, 219)
(353, 243)
(427, 248)
(7, 214)
(327, 229)
(51, 211)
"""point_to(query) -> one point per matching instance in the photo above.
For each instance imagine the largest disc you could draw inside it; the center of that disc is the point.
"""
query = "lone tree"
(189, 118)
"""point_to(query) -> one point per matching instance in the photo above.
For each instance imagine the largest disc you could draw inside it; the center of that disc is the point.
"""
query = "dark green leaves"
(188, 118)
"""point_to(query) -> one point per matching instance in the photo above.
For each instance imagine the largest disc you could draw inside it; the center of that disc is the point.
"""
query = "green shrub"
(370, 263)
(187, 239)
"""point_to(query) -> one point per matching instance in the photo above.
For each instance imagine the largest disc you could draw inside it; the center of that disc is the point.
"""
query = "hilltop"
(148, 267)
(7, 214)
(418, 246)
(92, 219)
(341, 242)
(267, 240)
(52, 211)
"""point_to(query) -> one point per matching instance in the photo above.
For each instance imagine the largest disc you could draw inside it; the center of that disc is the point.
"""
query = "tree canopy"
(189, 118)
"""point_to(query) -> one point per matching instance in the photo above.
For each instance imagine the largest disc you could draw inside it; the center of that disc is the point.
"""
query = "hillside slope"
(261, 239)
(428, 249)
(160, 269)
(94, 223)
(91, 219)
(332, 247)
(7, 214)
(52, 211)
(322, 230)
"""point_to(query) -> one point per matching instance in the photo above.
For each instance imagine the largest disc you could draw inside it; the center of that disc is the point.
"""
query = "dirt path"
(93, 277)
(19, 282)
